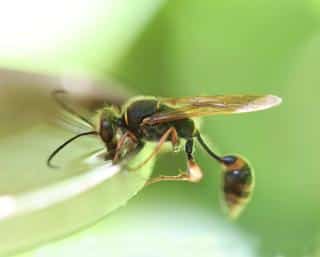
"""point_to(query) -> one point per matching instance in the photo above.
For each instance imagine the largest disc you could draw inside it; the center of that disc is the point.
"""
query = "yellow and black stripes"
(238, 182)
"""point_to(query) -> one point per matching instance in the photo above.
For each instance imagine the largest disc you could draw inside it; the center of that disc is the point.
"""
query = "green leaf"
(65, 200)
(37, 203)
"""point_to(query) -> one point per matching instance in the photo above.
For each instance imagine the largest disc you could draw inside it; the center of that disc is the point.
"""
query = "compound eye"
(106, 130)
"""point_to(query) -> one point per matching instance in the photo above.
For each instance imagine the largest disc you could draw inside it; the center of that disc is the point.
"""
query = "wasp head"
(108, 126)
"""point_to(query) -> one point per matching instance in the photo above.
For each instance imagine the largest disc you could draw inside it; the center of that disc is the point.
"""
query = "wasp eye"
(105, 124)
(106, 130)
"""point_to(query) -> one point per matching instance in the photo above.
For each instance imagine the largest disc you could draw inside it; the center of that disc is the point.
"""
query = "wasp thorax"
(237, 183)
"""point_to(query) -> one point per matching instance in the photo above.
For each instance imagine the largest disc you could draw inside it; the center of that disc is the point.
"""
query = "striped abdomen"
(238, 184)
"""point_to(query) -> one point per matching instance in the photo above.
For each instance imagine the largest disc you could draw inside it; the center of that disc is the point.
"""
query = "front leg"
(127, 135)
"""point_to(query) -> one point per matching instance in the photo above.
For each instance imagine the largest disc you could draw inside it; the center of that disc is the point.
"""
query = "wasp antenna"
(59, 148)
(207, 149)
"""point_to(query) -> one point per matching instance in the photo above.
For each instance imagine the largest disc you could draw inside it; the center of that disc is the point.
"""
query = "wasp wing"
(72, 114)
(79, 113)
(188, 107)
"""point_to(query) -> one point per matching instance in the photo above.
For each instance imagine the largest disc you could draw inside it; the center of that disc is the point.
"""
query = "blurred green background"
(185, 48)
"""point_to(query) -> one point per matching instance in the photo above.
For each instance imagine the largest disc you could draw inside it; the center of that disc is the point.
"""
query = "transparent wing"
(72, 115)
(211, 105)
(80, 113)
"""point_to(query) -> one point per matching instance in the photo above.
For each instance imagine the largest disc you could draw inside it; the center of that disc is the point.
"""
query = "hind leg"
(193, 174)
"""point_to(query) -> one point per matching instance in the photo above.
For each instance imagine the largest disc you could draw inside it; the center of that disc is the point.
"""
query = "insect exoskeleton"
(106, 126)
(126, 129)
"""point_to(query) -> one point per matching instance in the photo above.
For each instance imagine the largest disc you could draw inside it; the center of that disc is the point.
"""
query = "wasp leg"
(194, 171)
(181, 177)
(122, 140)
(174, 139)
(193, 174)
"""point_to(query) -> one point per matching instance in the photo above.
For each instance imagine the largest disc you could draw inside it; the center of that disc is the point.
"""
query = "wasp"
(161, 120)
